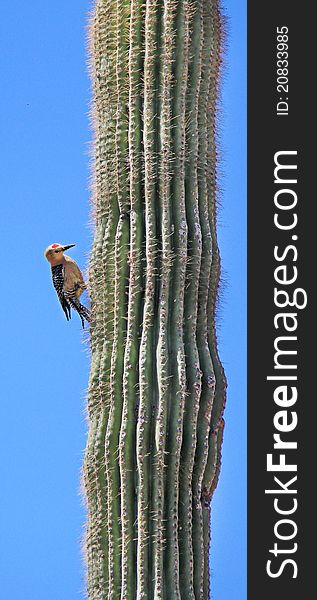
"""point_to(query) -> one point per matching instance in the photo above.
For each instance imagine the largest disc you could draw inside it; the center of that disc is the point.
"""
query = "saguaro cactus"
(157, 388)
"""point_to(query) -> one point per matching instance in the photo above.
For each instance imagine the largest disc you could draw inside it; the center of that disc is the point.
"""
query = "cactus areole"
(157, 388)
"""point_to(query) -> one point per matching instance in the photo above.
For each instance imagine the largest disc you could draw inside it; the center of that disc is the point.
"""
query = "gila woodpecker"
(68, 280)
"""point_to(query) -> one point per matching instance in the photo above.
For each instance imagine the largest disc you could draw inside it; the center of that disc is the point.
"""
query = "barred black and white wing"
(58, 282)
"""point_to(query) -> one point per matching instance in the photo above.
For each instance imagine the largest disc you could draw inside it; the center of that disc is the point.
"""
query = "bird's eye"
(56, 251)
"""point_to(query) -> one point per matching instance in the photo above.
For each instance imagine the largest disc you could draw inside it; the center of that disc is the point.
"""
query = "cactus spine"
(157, 388)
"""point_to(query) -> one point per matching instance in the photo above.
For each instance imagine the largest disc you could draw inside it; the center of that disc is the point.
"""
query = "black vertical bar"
(281, 118)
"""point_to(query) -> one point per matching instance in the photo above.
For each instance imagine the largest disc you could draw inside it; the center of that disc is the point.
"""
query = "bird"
(67, 280)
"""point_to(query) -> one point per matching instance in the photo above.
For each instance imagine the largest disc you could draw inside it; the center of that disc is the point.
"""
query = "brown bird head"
(54, 253)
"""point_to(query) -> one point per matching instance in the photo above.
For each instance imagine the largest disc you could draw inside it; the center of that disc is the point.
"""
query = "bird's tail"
(82, 310)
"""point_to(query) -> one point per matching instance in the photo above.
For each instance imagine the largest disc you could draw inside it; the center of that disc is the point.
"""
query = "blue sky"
(44, 198)
(228, 557)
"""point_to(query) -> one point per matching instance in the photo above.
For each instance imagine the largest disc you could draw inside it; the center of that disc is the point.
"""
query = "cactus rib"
(147, 366)
(127, 452)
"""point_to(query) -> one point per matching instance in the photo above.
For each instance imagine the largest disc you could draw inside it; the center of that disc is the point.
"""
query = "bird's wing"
(73, 278)
(58, 282)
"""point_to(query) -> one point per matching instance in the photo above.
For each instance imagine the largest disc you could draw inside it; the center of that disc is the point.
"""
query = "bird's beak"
(67, 247)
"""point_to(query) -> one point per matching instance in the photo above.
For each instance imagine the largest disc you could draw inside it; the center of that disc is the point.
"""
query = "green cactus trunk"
(157, 388)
